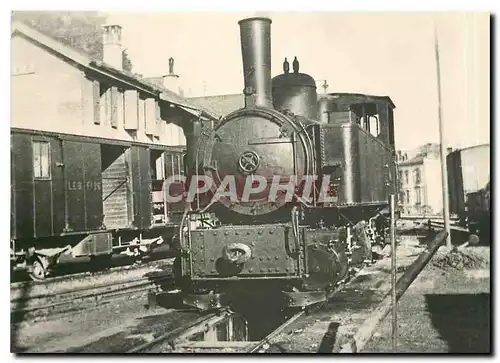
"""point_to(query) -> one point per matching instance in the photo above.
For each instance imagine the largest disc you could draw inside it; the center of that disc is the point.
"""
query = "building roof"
(221, 105)
(80, 59)
(419, 159)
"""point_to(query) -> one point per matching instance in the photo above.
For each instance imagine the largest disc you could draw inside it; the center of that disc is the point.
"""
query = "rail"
(440, 224)
(57, 302)
(265, 343)
(185, 331)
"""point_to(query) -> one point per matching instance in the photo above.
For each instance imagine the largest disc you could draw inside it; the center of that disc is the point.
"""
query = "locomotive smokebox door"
(244, 251)
(257, 144)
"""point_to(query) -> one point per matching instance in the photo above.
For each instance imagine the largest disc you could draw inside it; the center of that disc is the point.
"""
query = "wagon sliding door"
(116, 193)
(82, 175)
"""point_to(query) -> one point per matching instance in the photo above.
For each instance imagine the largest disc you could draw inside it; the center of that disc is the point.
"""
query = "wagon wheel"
(473, 239)
(37, 271)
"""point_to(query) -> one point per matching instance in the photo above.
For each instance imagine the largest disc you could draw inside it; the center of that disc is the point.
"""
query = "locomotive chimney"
(256, 51)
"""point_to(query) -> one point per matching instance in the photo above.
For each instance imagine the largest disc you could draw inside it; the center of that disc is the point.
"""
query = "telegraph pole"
(394, 301)
(444, 171)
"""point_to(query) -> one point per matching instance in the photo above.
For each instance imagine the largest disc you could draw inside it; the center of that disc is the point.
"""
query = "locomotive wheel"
(37, 271)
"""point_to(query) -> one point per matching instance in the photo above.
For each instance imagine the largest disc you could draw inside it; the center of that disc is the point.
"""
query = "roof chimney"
(112, 46)
(171, 80)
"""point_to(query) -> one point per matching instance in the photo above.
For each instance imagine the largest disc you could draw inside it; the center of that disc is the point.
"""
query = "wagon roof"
(479, 146)
(84, 60)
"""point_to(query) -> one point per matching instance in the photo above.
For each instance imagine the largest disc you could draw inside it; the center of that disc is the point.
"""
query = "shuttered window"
(113, 96)
(96, 90)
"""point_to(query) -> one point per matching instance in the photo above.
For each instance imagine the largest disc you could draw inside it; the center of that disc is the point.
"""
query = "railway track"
(411, 223)
(376, 309)
(218, 331)
(169, 340)
(203, 335)
(29, 306)
(455, 227)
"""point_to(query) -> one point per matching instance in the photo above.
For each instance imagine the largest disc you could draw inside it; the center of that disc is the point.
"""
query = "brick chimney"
(171, 80)
(112, 46)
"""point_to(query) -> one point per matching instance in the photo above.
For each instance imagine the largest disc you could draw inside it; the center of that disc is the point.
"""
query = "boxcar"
(468, 172)
(83, 196)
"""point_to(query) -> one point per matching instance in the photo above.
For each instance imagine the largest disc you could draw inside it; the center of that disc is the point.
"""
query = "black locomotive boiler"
(301, 246)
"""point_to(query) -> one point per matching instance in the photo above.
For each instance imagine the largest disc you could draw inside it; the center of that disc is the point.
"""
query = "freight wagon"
(468, 172)
(85, 196)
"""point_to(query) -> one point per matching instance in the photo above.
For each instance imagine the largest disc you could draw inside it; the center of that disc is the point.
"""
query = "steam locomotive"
(291, 189)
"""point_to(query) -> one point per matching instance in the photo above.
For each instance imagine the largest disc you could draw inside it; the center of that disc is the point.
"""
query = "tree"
(82, 30)
(127, 63)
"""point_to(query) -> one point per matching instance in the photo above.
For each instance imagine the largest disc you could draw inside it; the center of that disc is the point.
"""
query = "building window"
(400, 176)
(407, 197)
(417, 176)
(41, 159)
(402, 197)
(418, 196)
(406, 177)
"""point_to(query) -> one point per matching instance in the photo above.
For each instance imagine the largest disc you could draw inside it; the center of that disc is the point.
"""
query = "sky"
(376, 53)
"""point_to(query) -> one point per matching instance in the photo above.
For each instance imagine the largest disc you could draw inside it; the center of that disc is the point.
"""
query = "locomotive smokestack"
(256, 51)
